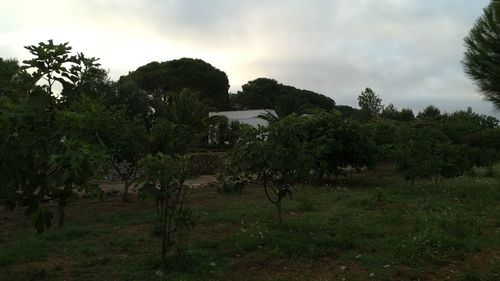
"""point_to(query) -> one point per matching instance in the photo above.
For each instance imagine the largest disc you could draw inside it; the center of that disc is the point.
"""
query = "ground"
(373, 226)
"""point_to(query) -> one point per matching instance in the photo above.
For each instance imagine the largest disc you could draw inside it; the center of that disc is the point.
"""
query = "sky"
(408, 51)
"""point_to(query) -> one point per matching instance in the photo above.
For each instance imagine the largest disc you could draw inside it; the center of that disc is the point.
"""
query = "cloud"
(408, 51)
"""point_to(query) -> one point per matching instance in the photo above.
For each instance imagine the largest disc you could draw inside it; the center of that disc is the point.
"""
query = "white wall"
(244, 116)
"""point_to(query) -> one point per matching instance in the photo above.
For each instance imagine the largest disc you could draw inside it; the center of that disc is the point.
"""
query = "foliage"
(482, 52)
(46, 150)
(43, 157)
(137, 104)
(186, 109)
(287, 105)
(15, 82)
(459, 125)
(386, 137)
(54, 63)
(336, 144)
(427, 153)
(392, 113)
(126, 142)
(296, 149)
(265, 93)
(430, 113)
(490, 138)
(163, 179)
(218, 130)
(274, 157)
(163, 80)
(346, 111)
(369, 103)
(230, 184)
(406, 114)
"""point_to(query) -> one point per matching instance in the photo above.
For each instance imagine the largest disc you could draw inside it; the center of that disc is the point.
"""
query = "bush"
(230, 184)
(427, 153)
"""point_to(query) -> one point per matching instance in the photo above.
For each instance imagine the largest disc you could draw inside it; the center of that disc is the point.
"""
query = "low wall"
(202, 163)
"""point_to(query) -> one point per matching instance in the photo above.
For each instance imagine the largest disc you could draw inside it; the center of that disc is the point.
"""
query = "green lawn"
(372, 226)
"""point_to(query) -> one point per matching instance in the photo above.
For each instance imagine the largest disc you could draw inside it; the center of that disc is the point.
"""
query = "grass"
(368, 227)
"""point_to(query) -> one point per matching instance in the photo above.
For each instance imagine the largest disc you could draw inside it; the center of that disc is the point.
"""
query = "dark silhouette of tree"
(406, 114)
(266, 93)
(430, 113)
(370, 103)
(14, 81)
(482, 55)
(159, 81)
(390, 112)
(346, 111)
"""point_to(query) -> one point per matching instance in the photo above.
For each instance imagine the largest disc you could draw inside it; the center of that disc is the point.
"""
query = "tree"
(163, 179)
(266, 93)
(406, 114)
(188, 110)
(126, 141)
(459, 125)
(285, 106)
(15, 82)
(335, 144)
(273, 157)
(46, 151)
(162, 80)
(482, 54)
(427, 153)
(218, 130)
(54, 63)
(370, 103)
(390, 112)
(258, 94)
(346, 111)
(430, 113)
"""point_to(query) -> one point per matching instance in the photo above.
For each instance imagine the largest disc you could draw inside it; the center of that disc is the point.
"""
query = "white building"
(249, 117)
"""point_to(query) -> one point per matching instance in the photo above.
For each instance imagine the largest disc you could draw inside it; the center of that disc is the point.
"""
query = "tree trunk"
(163, 223)
(126, 187)
(280, 217)
(60, 210)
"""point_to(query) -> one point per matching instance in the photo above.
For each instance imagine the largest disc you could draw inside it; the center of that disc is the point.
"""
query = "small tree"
(335, 144)
(43, 153)
(126, 141)
(370, 103)
(163, 179)
(483, 52)
(275, 157)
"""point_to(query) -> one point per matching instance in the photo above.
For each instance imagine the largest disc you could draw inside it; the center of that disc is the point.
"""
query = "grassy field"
(373, 226)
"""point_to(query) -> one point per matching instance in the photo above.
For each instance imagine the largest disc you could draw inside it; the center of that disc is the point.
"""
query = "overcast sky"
(408, 51)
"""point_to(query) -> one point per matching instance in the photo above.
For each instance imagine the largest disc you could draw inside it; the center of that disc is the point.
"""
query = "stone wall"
(203, 163)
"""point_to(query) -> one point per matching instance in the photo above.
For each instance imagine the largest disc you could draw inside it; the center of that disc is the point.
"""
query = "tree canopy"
(370, 103)
(482, 55)
(268, 93)
(161, 80)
